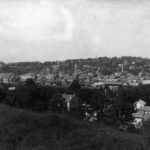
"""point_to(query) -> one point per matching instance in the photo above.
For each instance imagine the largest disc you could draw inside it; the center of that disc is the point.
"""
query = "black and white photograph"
(74, 75)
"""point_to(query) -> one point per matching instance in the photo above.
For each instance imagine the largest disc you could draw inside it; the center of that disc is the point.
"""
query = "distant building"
(138, 119)
(113, 85)
(26, 76)
(142, 114)
(6, 77)
(11, 88)
(145, 82)
(97, 84)
(49, 77)
(70, 79)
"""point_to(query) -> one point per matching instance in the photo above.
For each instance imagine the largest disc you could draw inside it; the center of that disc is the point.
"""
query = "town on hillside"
(92, 72)
(115, 90)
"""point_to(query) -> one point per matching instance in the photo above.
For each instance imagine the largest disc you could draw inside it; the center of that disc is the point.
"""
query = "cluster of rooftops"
(142, 113)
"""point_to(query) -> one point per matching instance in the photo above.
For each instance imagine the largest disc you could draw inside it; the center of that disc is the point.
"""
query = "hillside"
(25, 130)
(104, 65)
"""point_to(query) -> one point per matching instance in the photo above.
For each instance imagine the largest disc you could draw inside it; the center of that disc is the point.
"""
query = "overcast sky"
(45, 30)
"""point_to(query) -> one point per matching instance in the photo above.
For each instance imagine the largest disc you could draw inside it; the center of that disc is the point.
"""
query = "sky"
(47, 30)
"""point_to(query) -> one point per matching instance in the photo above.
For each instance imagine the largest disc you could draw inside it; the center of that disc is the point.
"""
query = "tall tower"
(122, 68)
(98, 70)
(75, 71)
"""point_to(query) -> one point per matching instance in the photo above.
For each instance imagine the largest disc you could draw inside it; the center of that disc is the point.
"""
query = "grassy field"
(25, 130)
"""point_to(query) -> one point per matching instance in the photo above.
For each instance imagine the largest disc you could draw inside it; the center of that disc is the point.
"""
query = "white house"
(11, 88)
(139, 104)
(142, 113)
(26, 76)
(6, 77)
(97, 84)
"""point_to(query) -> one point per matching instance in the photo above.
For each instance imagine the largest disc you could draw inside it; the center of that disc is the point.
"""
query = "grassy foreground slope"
(24, 130)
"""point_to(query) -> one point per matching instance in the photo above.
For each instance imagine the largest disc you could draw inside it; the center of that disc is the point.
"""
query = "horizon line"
(30, 61)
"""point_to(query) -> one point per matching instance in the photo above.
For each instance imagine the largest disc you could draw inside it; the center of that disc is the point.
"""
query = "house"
(133, 83)
(145, 82)
(49, 77)
(71, 101)
(11, 88)
(97, 84)
(138, 119)
(113, 85)
(142, 114)
(26, 76)
(6, 77)
(139, 104)
(70, 79)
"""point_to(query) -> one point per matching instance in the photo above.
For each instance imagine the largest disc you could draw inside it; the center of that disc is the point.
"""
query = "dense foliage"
(112, 106)
(25, 130)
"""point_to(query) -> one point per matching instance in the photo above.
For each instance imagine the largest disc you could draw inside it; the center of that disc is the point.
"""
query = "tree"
(123, 111)
(10, 99)
(3, 94)
(99, 103)
(26, 96)
(30, 82)
(85, 95)
(75, 85)
(56, 103)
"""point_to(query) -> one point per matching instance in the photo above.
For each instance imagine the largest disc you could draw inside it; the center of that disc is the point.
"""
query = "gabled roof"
(141, 102)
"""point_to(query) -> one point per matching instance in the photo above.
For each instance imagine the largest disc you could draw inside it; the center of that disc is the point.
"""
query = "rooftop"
(140, 102)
